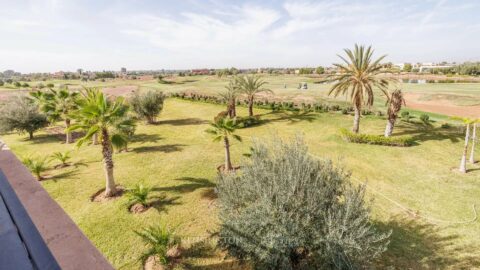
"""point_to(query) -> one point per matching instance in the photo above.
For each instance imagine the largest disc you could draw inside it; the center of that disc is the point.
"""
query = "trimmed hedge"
(376, 139)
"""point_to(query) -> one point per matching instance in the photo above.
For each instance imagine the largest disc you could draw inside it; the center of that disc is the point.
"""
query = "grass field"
(179, 159)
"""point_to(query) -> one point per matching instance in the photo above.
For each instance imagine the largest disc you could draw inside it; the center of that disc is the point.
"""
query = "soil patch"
(120, 90)
(138, 208)
(99, 196)
(440, 106)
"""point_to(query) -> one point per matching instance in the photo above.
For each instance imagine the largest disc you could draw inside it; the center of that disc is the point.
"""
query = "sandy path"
(441, 106)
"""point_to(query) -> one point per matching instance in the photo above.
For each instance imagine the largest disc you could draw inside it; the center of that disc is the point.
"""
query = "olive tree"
(147, 105)
(22, 115)
(288, 210)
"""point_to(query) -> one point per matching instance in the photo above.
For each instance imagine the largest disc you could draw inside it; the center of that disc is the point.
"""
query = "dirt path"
(441, 106)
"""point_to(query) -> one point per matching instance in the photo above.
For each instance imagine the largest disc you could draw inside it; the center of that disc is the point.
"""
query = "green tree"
(358, 77)
(394, 102)
(407, 67)
(221, 130)
(230, 96)
(98, 114)
(320, 70)
(58, 104)
(288, 210)
(21, 114)
(147, 105)
(251, 85)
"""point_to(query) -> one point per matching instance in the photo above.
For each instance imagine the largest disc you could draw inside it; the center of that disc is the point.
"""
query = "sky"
(54, 35)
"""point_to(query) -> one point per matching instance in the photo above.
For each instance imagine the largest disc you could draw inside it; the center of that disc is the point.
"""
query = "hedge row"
(349, 136)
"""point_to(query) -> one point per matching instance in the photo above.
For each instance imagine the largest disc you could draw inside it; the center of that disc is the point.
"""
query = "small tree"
(251, 86)
(320, 70)
(230, 96)
(147, 105)
(407, 67)
(221, 130)
(22, 115)
(287, 210)
(394, 102)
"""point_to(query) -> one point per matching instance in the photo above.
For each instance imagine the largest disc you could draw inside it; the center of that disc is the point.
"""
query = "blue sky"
(54, 35)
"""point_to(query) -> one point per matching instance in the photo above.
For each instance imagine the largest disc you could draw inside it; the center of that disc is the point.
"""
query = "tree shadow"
(190, 184)
(418, 245)
(166, 148)
(422, 133)
(143, 138)
(292, 117)
(61, 176)
(182, 122)
(43, 138)
(161, 202)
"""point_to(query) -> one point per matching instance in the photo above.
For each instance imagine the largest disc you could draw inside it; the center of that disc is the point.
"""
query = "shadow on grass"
(43, 138)
(416, 245)
(71, 173)
(182, 122)
(143, 138)
(167, 148)
(190, 184)
(421, 133)
(161, 202)
(292, 117)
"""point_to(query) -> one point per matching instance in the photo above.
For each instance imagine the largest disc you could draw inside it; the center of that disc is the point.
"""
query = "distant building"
(203, 71)
(123, 70)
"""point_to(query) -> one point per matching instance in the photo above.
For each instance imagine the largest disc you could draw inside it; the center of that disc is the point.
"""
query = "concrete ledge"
(70, 247)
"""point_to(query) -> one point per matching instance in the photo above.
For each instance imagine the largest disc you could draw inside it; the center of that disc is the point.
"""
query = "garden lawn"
(180, 159)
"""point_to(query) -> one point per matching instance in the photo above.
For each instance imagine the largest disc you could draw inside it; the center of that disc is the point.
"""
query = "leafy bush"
(425, 118)
(148, 105)
(139, 194)
(2, 83)
(50, 85)
(17, 84)
(25, 85)
(21, 114)
(376, 139)
(159, 240)
(446, 125)
(36, 165)
(406, 116)
(288, 210)
(62, 157)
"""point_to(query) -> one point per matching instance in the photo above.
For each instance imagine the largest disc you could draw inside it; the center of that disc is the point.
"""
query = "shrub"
(139, 194)
(50, 85)
(62, 157)
(1, 83)
(345, 111)
(21, 114)
(248, 121)
(36, 165)
(40, 86)
(406, 116)
(425, 118)
(288, 210)
(445, 125)
(148, 105)
(25, 85)
(17, 84)
(159, 241)
(376, 139)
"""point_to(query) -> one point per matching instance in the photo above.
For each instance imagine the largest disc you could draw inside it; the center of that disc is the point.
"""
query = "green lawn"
(179, 158)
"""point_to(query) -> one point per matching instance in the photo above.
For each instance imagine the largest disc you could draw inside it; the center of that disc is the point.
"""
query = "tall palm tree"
(358, 77)
(251, 86)
(394, 102)
(221, 130)
(230, 96)
(97, 114)
(58, 104)
(467, 122)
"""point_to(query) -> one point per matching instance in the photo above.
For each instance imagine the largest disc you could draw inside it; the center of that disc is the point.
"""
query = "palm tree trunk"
(68, 134)
(389, 127)
(356, 119)
(474, 138)
(107, 152)
(463, 162)
(234, 108)
(250, 106)
(228, 162)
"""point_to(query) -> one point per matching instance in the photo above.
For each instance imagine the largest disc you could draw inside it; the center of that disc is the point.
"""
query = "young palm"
(468, 122)
(58, 104)
(37, 166)
(230, 96)
(394, 102)
(159, 240)
(62, 157)
(358, 77)
(99, 115)
(251, 86)
(222, 130)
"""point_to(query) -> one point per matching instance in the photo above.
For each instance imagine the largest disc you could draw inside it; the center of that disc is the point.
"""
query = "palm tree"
(99, 115)
(222, 130)
(359, 76)
(230, 96)
(474, 139)
(467, 122)
(58, 104)
(251, 86)
(394, 101)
